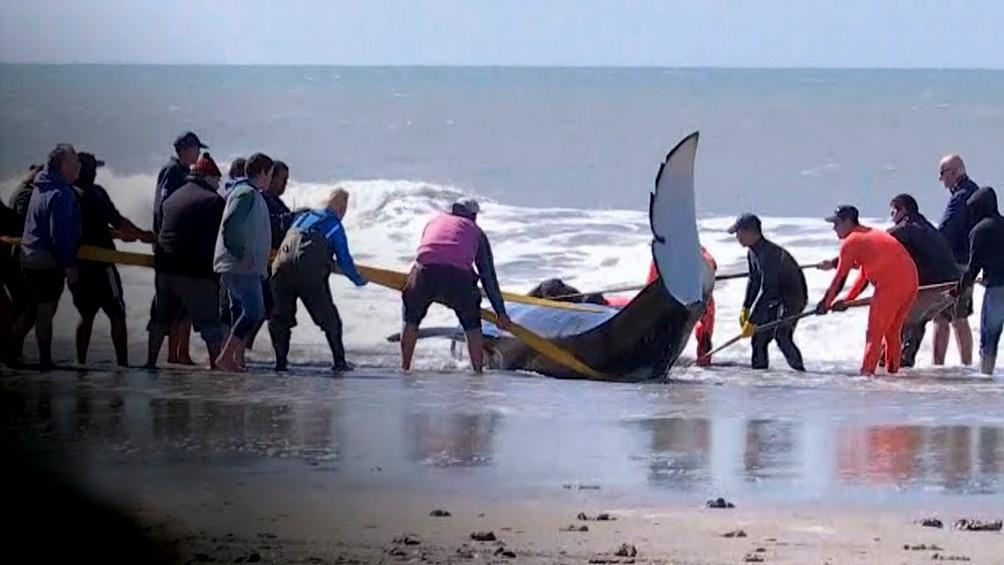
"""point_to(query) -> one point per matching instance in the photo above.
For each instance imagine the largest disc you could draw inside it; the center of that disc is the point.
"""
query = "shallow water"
(780, 439)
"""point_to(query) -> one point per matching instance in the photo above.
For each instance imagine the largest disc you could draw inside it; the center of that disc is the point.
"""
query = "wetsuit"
(886, 264)
(300, 271)
(986, 253)
(935, 264)
(704, 329)
(775, 290)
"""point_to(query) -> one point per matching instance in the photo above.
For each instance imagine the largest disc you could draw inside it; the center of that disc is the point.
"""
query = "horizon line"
(496, 66)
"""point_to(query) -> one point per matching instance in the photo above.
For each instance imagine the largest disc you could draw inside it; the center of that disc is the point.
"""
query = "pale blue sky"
(766, 33)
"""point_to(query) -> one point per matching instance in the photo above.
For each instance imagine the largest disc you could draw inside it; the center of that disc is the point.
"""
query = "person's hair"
(238, 168)
(56, 156)
(258, 164)
(906, 203)
(279, 165)
(338, 194)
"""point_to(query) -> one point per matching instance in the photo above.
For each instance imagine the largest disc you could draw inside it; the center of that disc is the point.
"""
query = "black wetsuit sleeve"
(976, 258)
(754, 281)
(485, 263)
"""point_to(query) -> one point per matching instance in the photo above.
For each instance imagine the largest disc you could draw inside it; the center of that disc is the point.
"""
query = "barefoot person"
(170, 178)
(986, 254)
(775, 290)
(241, 257)
(955, 226)
(99, 286)
(183, 259)
(301, 270)
(451, 245)
(935, 264)
(48, 250)
(888, 267)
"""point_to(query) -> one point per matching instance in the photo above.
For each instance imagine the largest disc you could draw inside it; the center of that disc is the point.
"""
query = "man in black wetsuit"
(775, 290)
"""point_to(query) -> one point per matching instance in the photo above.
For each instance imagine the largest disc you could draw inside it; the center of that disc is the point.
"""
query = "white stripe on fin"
(675, 245)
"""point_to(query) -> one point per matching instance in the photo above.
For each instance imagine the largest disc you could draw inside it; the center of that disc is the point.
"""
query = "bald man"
(955, 227)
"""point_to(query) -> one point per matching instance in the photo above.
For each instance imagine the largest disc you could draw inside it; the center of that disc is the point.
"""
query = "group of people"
(920, 274)
(227, 260)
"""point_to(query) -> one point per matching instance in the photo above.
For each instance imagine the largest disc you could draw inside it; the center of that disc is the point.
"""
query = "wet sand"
(304, 468)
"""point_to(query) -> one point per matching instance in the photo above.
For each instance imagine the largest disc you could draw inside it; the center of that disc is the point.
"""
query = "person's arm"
(754, 282)
(485, 263)
(340, 244)
(233, 224)
(975, 264)
(64, 229)
(858, 287)
(844, 264)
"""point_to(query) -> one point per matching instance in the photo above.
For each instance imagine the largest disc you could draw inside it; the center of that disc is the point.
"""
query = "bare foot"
(229, 366)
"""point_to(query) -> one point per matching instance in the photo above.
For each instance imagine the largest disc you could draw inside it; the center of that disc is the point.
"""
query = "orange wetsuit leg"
(881, 315)
(893, 337)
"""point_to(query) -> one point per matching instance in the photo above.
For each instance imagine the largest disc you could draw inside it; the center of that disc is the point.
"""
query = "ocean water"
(563, 160)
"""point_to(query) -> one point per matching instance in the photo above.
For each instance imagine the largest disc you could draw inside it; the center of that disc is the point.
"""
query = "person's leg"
(785, 338)
(893, 340)
(283, 317)
(880, 317)
(317, 299)
(43, 333)
(409, 337)
(162, 314)
(268, 303)
(942, 331)
(991, 327)
(84, 329)
(704, 332)
(200, 298)
(964, 339)
(758, 344)
(180, 343)
(475, 348)
(245, 292)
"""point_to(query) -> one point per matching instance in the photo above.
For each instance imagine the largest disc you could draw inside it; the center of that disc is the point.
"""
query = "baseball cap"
(90, 159)
(189, 139)
(844, 212)
(746, 222)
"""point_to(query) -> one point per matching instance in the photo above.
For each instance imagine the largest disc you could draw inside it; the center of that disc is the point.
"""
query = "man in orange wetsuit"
(705, 327)
(885, 263)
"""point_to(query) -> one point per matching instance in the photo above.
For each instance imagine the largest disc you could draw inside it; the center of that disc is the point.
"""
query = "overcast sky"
(765, 33)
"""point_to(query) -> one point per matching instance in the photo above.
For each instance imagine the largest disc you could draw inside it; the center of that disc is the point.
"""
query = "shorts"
(961, 309)
(98, 287)
(200, 297)
(456, 288)
(991, 320)
(45, 285)
(246, 302)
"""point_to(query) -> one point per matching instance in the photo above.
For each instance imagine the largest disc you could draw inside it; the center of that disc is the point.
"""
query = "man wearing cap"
(452, 244)
(885, 263)
(955, 225)
(183, 259)
(98, 285)
(48, 250)
(300, 271)
(171, 177)
(775, 290)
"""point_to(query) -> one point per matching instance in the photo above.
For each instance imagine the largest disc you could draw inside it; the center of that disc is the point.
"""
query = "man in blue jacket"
(48, 249)
(300, 271)
(955, 226)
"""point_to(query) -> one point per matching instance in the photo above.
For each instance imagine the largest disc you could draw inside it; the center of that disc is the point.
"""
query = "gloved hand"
(839, 306)
(748, 329)
(744, 316)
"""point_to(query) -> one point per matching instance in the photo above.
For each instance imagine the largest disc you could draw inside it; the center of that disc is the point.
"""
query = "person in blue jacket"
(955, 226)
(300, 271)
(49, 245)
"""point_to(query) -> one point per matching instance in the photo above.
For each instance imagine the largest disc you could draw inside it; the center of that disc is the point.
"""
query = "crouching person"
(300, 271)
(183, 259)
(452, 245)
